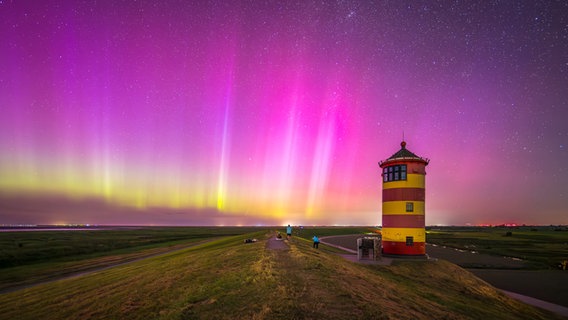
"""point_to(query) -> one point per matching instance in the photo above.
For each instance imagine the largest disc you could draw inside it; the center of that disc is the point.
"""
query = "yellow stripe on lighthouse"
(400, 234)
(412, 181)
(399, 207)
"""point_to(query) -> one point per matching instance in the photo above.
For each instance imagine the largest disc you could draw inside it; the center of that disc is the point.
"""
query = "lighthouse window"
(409, 241)
(394, 173)
(409, 207)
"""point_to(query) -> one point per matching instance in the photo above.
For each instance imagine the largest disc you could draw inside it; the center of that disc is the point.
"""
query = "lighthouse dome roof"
(404, 154)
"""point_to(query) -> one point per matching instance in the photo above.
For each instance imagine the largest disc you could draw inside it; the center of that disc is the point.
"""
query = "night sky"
(277, 112)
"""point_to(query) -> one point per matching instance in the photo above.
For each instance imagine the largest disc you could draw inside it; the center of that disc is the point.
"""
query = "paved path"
(332, 241)
(539, 303)
(339, 242)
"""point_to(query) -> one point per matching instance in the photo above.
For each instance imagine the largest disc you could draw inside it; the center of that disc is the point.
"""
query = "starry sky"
(277, 112)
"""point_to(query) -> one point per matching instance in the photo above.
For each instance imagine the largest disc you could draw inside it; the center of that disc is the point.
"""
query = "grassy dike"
(227, 279)
(19, 276)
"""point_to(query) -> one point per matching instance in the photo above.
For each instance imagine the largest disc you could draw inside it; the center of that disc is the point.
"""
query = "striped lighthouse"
(404, 194)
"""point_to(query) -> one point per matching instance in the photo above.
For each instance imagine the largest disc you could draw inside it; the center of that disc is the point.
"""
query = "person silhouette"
(316, 242)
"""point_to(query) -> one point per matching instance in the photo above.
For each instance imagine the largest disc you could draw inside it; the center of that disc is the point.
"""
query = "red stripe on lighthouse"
(394, 247)
(404, 194)
(403, 221)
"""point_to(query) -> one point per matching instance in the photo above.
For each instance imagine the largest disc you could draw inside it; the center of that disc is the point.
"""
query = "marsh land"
(206, 273)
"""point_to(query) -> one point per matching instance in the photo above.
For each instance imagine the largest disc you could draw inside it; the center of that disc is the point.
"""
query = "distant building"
(403, 231)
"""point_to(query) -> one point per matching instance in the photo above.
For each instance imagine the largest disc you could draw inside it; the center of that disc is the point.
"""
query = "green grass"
(543, 246)
(21, 248)
(14, 277)
(227, 279)
(44, 256)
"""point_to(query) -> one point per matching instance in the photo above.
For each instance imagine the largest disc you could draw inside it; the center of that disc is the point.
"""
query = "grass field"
(30, 257)
(227, 279)
(20, 248)
(543, 247)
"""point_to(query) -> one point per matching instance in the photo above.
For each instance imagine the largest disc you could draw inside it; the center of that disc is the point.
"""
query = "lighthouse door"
(409, 241)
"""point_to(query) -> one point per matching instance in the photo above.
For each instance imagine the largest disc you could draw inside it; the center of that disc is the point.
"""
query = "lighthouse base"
(395, 248)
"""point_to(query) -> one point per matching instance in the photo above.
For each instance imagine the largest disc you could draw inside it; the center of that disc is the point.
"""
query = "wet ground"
(473, 259)
(547, 285)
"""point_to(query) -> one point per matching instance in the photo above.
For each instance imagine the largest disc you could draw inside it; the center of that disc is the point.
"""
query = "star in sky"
(178, 112)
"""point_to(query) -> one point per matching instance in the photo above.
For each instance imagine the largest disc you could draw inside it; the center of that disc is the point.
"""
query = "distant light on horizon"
(206, 113)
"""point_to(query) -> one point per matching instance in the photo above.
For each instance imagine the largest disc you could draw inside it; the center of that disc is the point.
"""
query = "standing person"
(316, 242)
(288, 232)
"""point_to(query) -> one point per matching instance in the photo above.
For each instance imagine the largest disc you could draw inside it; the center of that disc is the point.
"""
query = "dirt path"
(277, 244)
(96, 269)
